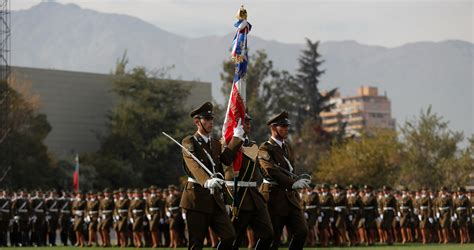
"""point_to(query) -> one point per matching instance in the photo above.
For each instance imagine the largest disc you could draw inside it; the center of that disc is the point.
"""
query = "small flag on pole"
(75, 180)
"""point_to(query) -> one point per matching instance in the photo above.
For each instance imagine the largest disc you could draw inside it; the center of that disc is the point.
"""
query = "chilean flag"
(75, 180)
(236, 106)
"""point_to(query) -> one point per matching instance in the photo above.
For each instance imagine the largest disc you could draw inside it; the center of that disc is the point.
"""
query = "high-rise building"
(363, 112)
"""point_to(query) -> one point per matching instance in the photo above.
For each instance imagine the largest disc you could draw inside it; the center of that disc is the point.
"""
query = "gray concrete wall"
(77, 104)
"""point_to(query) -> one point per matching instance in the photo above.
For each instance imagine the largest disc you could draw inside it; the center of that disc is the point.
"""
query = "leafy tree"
(430, 153)
(21, 146)
(370, 159)
(134, 152)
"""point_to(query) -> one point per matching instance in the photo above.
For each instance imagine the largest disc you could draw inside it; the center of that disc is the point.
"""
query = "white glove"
(397, 218)
(378, 219)
(350, 217)
(331, 219)
(419, 217)
(148, 216)
(87, 219)
(214, 183)
(131, 220)
(456, 216)
(16, 217)
(320, 219)
(337, 209)
(322, 214)
(239, 130)
(301, 183)
(306, 216)
(381, 216)
(162, 221)
(453, 218)
(437, 215)
(168, 214)
(183, 215)
(399, 214)
(468, 219)
(430, 220)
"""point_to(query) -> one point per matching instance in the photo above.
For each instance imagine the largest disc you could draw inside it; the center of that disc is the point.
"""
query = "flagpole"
(235, 113)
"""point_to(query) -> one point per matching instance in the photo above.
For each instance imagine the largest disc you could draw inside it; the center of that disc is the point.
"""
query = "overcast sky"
(381, 22)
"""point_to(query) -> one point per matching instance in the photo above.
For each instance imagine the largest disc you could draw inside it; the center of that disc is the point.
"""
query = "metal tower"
(5, 19)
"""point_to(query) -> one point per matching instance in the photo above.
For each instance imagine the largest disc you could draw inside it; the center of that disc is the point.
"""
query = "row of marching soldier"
(140, 217)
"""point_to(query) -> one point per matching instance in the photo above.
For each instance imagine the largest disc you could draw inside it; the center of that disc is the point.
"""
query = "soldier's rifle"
(211, 174)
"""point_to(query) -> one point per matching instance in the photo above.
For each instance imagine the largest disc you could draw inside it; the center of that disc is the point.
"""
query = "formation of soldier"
(263, 205)
(353, 216)
(140, 217)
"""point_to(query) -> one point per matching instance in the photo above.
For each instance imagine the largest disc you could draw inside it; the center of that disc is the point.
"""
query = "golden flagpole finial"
(242, 13)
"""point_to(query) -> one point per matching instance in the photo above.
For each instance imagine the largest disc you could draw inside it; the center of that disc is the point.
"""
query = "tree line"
(423, 150)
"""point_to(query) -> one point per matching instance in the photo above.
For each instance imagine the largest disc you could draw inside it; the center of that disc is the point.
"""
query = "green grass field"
(394, 247)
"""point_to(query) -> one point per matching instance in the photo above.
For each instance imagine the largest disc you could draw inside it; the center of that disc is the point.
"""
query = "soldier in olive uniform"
(471, 220)
(370, 214)
(248, 208)
(202, 197)
(425, 208)
(21, 209)
(5, 216)
(444, 213)
(121, 207)
(106, 209)
(405, 214)
(340, 216)
(147, 242)
(462, 207)
(173, 212)
(65, 212)
(92, 217)
(164, 227)
(154, 214)
(52, 216)
(137, 213)
(37, 219)
(276, 161)
(311, 209)
(355, 208)
(79, 206)
(326, 203)
(389, 208)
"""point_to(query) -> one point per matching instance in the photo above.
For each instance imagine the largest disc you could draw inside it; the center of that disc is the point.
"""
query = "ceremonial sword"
(211, 174)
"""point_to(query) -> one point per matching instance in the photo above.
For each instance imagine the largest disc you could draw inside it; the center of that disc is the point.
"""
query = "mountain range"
(414, 76)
